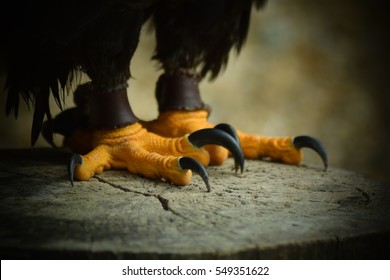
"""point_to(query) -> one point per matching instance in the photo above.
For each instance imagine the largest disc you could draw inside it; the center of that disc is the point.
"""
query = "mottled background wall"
(309, 67)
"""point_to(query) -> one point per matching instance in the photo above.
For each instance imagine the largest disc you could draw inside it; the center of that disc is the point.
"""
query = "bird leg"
(181, 111)
(104, 128)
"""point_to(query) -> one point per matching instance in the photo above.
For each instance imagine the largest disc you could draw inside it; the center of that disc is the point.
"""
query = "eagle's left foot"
(182, 111)
(281, 149)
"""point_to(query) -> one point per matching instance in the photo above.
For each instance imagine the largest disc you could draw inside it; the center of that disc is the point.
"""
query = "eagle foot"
(150, 155)
(175, 123)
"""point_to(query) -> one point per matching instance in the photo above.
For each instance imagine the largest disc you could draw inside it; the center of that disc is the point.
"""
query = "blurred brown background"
(309, 67)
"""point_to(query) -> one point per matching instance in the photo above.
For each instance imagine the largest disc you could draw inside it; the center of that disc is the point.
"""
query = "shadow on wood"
(271, 211)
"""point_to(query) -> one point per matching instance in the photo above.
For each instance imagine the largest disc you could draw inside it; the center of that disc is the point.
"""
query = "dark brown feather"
(47, 43)
(199, 34)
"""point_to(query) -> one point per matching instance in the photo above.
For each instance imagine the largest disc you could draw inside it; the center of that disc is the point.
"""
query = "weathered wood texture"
(272, 211)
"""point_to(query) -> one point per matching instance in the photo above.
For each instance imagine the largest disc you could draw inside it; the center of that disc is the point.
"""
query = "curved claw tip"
(75, 159)
(230, 130)
(312, 143)
(197, 167)
(218, 136)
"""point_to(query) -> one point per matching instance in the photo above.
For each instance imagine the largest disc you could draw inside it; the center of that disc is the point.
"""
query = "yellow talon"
(179, 122)
(140, 152)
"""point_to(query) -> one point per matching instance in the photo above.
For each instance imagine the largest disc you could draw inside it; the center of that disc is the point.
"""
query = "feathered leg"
(190, 41)
(105, 128)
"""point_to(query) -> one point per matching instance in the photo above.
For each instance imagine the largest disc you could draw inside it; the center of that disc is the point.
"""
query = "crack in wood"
(163, 201)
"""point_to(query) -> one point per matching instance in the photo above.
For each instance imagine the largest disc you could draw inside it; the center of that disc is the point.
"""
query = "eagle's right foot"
(147, 154)
(104, 129)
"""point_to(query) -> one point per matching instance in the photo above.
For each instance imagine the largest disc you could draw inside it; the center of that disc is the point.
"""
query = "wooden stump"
(271, 211)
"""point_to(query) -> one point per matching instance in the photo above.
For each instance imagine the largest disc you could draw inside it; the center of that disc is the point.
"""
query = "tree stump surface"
(271, 211)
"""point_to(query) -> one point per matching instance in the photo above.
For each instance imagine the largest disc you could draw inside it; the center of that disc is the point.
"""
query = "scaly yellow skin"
(152, 149)
(181, 122)
(275, 148)
(140, 152)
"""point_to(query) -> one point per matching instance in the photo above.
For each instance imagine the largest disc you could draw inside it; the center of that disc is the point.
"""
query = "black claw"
(314, 144)
(195, 166)
(230, 130)
(64, 124)
(74, 160)
(214, 136)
